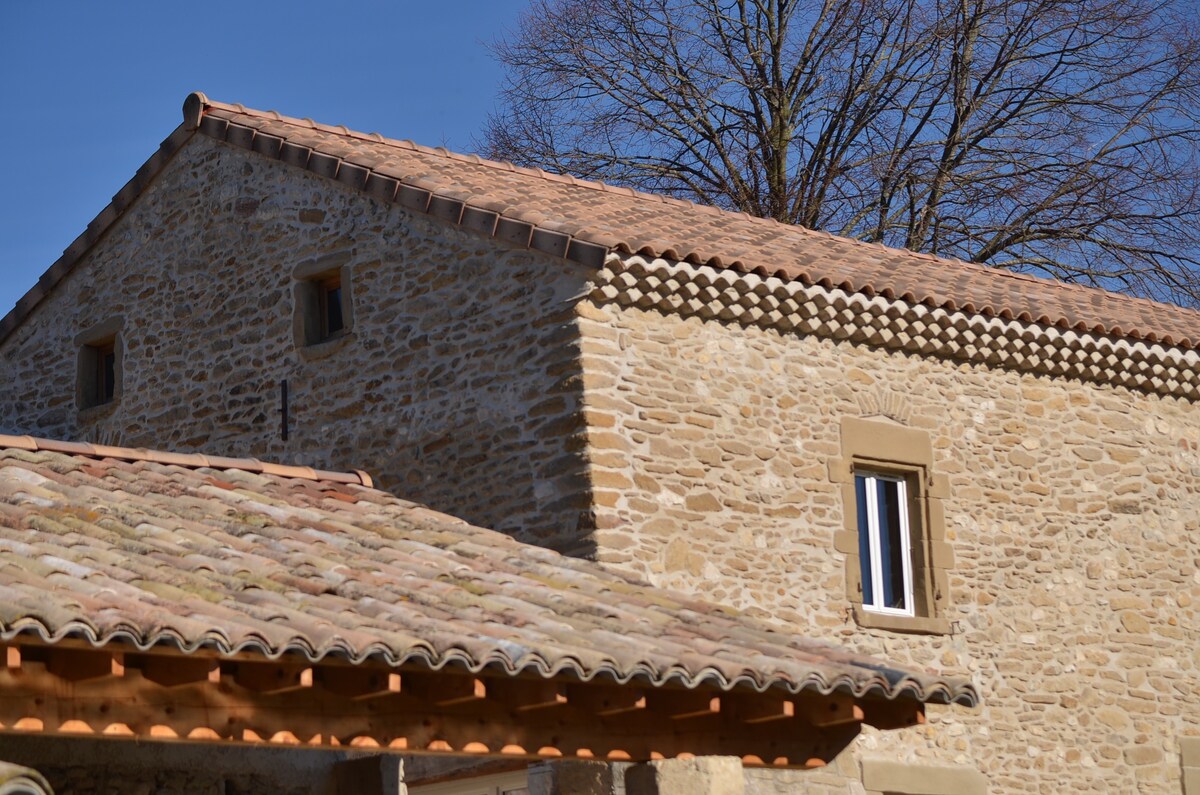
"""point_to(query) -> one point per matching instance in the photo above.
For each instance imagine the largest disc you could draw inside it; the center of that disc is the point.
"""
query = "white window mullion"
(873, 538)
(906, 546)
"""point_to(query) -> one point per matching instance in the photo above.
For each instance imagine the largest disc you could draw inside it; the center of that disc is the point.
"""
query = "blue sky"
(89, 89)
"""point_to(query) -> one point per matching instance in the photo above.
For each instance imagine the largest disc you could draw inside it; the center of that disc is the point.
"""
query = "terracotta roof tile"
(144, 548)
(625, 220)
(585, 219)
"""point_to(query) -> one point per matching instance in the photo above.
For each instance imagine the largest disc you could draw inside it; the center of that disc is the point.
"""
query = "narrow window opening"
(330, 292)
(884, 541)
(99, 371)
(106, 375)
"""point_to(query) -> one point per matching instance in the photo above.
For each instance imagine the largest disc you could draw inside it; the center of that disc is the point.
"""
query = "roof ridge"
(476, 159)
(599, 185)
(190, 460)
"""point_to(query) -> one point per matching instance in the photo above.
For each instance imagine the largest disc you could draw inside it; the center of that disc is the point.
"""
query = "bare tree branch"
(1057, 137)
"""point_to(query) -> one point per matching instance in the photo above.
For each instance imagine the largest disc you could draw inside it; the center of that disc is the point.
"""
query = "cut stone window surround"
(883, 447)
(323, 321)
(1189, 760)
(100, 366)
(897, 778)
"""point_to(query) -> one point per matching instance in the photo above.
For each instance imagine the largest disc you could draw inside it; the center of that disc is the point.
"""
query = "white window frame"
(877, 573)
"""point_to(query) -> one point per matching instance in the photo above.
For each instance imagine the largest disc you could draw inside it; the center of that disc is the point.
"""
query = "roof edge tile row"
(190, 460)
(889, 684)
(421, 588)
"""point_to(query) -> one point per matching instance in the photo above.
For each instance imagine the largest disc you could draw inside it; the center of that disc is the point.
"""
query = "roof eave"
(99, 225)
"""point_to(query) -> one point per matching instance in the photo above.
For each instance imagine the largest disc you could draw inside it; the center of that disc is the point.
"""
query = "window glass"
(883, 543)
(891, 544)
(108, 376)
(333, 308)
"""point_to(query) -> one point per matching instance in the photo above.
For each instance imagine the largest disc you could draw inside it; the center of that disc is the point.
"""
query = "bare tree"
(1052, 136)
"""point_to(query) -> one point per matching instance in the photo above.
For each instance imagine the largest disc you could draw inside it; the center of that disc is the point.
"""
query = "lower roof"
(145, 549)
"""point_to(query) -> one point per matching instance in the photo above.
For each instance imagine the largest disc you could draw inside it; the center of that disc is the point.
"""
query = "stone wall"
(1073, 511)
(455, 386)
(87, 766)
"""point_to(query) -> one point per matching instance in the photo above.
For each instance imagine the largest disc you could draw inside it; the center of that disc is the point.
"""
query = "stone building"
(957, 468)
(209, 625)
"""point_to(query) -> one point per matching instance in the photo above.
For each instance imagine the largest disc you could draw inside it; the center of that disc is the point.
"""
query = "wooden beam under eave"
(272, 677)
(443, 689)
(357, 682)
(76, 665)
(835, 709)
(683, 704)
(175, 671)
(763, 709)
(898, 714)
(606, 701)
(34, 699)
(527, 694)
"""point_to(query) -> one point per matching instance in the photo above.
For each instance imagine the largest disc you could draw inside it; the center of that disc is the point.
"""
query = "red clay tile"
(236, 561)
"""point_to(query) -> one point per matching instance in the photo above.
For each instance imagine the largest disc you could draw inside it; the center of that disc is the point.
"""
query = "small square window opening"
(884, 540)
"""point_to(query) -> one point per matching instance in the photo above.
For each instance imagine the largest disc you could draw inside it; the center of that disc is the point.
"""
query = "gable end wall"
(457, 386)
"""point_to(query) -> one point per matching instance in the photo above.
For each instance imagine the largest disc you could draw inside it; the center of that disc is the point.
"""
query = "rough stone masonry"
(493, 384)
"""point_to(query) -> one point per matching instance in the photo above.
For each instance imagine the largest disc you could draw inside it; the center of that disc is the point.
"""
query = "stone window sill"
(328, 347)
(93, 413)
(913, 625)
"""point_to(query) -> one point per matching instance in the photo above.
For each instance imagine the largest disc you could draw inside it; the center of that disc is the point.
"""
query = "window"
(98, 378)
(884, 547)
(330, 299)
(897, 559)
(323, 307)
(324, 311)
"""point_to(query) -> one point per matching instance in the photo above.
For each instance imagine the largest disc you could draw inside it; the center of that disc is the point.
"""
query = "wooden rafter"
(172, 696)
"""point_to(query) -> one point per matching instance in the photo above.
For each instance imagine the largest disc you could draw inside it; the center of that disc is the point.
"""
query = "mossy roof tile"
(287, 570)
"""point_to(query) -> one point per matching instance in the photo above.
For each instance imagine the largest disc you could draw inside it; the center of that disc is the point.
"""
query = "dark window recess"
(323, 307)
(331, 307)
(107, 374)
(98, 373)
